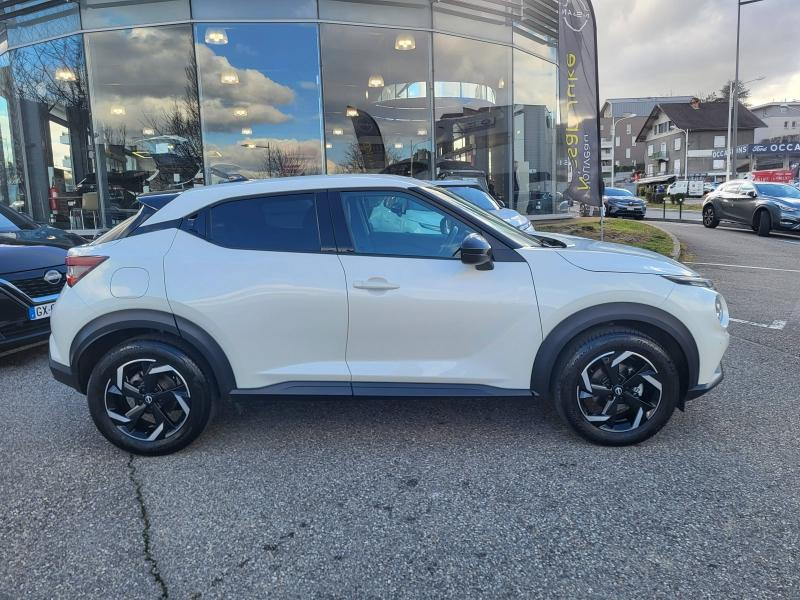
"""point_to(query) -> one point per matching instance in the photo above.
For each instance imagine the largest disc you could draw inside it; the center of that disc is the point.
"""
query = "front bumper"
(626, 211)
(64, 374)
(699, 390)
(789, 222)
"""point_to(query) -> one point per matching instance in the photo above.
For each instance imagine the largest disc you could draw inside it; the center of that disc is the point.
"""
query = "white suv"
(371, 286)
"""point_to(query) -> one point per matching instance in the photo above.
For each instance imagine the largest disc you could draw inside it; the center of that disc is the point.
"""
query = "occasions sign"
(578, 89)
(782, 148)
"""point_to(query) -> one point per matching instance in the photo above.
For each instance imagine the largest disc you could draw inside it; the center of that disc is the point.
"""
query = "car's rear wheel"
(764, 223)
(616, 386)
(710, 219)
(149, 397)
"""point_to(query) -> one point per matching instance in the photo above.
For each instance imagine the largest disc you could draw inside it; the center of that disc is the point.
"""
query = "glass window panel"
(48, 114)
(41, 24)
(248, 9)
(260, 97)
(408, 13)
(275, 223)
(479, 18)
(472, 108)
(377, 110)
(111, 13)
(146, 114)
(12, 183)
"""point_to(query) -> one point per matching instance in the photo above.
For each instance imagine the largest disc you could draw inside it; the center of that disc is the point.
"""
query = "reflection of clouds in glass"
(255, 90)
(534, 81)
(307, 85)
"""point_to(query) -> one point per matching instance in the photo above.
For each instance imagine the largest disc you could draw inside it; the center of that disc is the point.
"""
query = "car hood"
(794, 202)
(591, 255)
(624, 200)
(510, 216)
(16, 257)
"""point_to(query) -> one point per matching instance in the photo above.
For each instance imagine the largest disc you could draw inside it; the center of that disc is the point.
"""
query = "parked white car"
(694, 189)
(371, 286)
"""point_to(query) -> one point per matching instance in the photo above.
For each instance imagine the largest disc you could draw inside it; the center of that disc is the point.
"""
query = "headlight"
(786, 207)
(694, 280)
(721, 307)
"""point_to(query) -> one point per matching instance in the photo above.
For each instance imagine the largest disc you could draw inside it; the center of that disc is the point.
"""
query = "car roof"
(195, 199)
(466, 182)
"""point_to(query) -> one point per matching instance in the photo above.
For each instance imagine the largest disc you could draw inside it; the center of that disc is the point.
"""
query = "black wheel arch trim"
(608, 314)
(144, 319)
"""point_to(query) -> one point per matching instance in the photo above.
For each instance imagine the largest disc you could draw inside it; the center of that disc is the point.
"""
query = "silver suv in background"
(473, 192)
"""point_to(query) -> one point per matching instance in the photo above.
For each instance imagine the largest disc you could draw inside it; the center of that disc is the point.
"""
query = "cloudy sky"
(684, 47)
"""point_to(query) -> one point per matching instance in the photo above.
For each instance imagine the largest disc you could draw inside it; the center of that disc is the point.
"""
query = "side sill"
(365, 389)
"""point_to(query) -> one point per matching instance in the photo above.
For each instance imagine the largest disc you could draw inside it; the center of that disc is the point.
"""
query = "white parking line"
(774, 325)
(743, 267)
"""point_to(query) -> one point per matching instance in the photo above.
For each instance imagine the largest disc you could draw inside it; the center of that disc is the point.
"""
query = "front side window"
(397, 224)
(731, 188)
(275, 223)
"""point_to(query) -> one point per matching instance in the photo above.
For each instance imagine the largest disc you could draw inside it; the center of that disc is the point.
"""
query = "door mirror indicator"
(476, 251)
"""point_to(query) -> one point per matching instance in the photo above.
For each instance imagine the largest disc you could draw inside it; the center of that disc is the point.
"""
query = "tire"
(710, 219)
(764, 223)
(605, 416)
(159, 413)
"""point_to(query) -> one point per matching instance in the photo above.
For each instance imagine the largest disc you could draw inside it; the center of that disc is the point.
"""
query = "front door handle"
(375, 284)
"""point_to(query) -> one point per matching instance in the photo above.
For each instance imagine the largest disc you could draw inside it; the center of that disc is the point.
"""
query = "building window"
(719, 141)
(663, 147)
(534, 123)
(628, 129)
(602, 127)
(651, 170)
(633, 141)
(662, 168)
(719, 165)
(677, 167)
(786, 124)
(377, 112)
(617, 142)
(627, 152)
(102, 13)
(406, 13)
(650, 150)
(472, 99)
(146, 119)
(677, 144)
(50, 22)
(260, 118)
(794, 124)
(274, 9)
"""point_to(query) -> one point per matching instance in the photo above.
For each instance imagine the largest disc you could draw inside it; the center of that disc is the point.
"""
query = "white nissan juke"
(371, 286)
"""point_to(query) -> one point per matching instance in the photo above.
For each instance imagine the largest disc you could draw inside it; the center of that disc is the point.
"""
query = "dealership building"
(102, 100)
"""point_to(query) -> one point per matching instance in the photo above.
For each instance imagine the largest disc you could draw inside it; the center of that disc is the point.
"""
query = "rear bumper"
(64, 374)
(699, 390)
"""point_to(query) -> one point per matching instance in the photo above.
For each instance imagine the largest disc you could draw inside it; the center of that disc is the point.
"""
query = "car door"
(744, 204)
(726, 198)
(258, 275)
(418, 316)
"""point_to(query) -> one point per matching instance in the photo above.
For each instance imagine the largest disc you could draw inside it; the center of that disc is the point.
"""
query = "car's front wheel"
(764, 223)
(710, 219)
(616, 386)
(149, 397)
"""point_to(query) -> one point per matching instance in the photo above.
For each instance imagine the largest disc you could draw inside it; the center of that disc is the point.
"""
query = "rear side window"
(275, 223)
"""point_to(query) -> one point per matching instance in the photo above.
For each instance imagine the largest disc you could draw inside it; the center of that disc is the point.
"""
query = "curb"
(685, 221)
(676, 244)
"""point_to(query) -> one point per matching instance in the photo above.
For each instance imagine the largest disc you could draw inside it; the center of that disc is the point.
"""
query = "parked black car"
(762, 206)
(622, 203)
(32, 273)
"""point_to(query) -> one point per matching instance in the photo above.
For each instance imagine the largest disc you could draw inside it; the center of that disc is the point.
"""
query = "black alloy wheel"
(764, 223)
(710, 219)
(150, 397)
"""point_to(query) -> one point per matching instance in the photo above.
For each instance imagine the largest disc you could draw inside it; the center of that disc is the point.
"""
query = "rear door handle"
(375, 284)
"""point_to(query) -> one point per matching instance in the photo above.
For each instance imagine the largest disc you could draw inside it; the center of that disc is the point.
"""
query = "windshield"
(618, 192)
(11, 220)
(779, 190)
(484, 217)
(478, 197)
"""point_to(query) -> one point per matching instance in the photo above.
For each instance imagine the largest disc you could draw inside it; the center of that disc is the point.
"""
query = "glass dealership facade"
(102, 100)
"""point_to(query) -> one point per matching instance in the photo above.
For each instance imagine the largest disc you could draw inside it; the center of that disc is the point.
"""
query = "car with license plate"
(32, 274)
(372, 286)
(620, 202)
(762, 206)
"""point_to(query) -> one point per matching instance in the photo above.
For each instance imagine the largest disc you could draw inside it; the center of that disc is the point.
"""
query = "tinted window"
(392, 223)
(731, 188)
(777, 189)
(277, 223)
(618, 192)
(11, 220)
(478, 197)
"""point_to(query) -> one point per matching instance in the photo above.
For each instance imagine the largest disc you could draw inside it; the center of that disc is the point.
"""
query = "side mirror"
(501, 203)
(476, 251)
(752, 194)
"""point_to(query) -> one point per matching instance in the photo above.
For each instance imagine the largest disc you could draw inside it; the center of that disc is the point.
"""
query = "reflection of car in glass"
(123, 187)
(620, 202)
(471, 191)
(225, 173)
(32, 273)
(330, 297)
(761, 206)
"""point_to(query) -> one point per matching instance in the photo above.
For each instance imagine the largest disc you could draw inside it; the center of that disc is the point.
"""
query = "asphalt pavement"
(427, 498)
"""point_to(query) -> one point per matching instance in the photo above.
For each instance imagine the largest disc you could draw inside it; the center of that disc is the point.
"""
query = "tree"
(723, 95)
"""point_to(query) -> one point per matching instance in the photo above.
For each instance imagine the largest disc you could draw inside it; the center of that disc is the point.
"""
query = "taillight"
(78, 266)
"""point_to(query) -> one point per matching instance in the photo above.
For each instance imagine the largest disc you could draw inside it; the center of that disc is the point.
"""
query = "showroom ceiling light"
(337, 131)
(148, 131)
(501, 84)
(398, 146)
(375, 81)
(118, 111)
(240, 112)
(216, 36)
(65, 74)
(247, 131)
(351, 111)
(329, 145)
(405, 41)
(422, 132)
(251, 146)
(229, 78)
